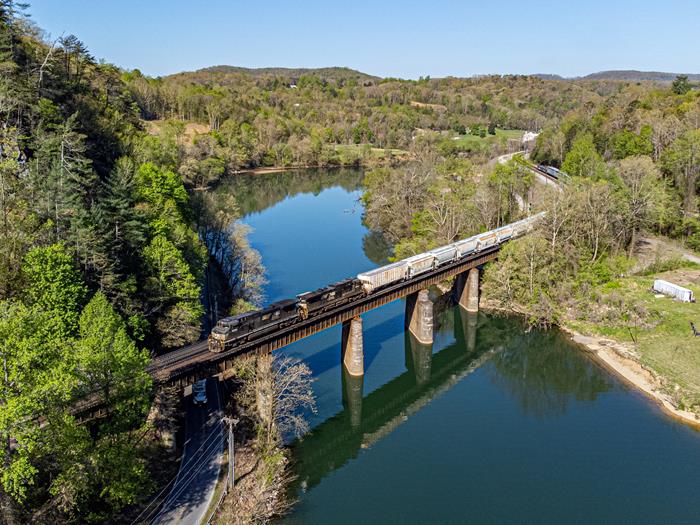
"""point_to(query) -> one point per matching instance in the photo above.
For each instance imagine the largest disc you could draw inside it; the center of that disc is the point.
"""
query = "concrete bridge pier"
(419, 357)
(351, 347)
(469, 328)
(352, 396)
(467, 288)
(419, 316)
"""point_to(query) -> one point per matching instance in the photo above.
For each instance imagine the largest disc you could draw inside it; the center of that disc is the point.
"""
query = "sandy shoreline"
(620, 360)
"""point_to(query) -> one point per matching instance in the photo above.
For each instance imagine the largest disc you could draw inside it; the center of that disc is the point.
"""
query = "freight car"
(445, 254)
(419, 264)
(235, 330)
(382, 276)
(553, 172)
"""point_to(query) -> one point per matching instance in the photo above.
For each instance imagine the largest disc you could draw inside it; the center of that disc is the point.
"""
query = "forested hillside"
(99, 263)
(282, 118)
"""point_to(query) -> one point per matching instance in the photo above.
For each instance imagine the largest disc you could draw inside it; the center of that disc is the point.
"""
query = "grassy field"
(359, 150)
(658, 328)
(475, 140)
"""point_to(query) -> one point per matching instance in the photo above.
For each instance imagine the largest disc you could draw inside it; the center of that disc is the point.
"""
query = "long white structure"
(673, 290)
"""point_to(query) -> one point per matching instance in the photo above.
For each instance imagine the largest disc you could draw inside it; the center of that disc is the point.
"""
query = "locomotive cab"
(226, 330)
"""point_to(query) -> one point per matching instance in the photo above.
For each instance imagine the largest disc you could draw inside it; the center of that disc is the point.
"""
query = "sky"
(397, 38)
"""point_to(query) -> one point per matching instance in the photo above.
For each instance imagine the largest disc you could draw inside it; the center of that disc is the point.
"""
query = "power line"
(191, 474)
(184, 466)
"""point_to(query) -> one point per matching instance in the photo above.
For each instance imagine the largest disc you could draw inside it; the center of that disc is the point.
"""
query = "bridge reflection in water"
(365, 420)
(541, 370)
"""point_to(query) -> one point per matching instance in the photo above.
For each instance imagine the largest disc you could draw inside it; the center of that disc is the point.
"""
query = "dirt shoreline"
(619, 359)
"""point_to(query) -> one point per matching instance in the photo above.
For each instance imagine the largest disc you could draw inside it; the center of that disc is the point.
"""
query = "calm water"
(490, 424)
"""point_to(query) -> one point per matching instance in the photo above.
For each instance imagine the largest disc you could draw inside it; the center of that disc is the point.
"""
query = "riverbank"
(261, 464)
(621, 360)
(656, 354)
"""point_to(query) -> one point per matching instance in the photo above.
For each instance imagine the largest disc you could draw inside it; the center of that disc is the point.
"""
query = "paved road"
(193, 491)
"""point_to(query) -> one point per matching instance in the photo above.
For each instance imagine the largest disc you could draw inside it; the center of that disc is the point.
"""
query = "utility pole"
(231, 452)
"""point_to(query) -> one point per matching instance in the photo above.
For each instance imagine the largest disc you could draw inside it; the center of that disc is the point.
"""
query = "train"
(235, 330)
(552, 172)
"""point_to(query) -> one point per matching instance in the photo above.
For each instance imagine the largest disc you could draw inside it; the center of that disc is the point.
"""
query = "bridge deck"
(196, 361)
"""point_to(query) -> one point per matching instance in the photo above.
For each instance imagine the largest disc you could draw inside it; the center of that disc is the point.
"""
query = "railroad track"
(199, 353)
(179, 357)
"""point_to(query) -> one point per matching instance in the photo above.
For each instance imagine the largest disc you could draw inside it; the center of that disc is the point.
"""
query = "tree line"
(100, 261)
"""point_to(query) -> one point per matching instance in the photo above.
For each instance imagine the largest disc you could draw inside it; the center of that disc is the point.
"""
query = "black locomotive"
(232, 331)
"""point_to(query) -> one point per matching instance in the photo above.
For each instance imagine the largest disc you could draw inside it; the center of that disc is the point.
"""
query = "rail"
(199, 362)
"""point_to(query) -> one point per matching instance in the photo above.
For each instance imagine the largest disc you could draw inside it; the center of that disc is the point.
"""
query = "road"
(202, 456)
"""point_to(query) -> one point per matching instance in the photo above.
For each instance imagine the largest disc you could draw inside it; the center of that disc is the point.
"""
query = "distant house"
(529, 136)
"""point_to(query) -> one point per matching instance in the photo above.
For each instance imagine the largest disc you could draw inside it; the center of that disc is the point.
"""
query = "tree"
(509, 182)
(626, 143)
(54, 285)
(121, 232)
(583, 160)
(173, 292)
(284, 396)
(64, 174)
(35, 391)
(682, 160)
(108, 363)
(681, 85)
(645, 194)
(17, 224)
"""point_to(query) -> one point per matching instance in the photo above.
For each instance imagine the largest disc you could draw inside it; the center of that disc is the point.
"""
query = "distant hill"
(344, 74)
(631, 75)
(326, 73)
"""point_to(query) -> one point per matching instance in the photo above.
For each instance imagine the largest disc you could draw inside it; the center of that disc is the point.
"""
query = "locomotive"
(552, 171)
(235, 330)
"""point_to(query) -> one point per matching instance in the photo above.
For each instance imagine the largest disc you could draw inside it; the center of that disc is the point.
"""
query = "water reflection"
(256, 192)
(376, 248)
(538, 369)
(363, 421)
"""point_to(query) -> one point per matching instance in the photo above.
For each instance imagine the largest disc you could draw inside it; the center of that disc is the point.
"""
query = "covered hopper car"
(234, 330)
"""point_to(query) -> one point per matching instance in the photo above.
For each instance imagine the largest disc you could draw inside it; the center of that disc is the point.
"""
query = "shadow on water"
(537, 368)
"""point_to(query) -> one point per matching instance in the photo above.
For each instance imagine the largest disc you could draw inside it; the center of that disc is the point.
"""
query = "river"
(490, 424)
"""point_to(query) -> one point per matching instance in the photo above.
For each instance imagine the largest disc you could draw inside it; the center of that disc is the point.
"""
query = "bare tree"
(284, 396)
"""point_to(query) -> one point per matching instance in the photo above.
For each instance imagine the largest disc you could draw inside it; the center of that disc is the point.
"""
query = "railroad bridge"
(188, 364)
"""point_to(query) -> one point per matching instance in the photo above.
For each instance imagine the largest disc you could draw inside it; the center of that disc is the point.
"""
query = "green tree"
(35, 391)
(173, 291)
(108, 363)
(583, 160)
(627, 143)
(681, 85)
(54, 285)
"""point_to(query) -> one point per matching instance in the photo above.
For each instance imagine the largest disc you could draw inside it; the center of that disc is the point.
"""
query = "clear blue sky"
(387, 38)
